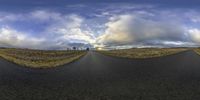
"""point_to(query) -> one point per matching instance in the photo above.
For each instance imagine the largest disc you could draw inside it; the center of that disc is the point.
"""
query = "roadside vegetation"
(197, 50)
(40, 58)
(142, 52)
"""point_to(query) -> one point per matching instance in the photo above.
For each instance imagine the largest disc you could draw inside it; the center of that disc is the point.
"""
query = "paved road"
(99, 77)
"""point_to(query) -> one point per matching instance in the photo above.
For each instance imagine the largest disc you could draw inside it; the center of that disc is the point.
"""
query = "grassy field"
(143, 52)
(197, 51)
(40, 58)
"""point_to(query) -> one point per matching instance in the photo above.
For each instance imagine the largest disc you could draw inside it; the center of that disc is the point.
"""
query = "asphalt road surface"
(99, 77)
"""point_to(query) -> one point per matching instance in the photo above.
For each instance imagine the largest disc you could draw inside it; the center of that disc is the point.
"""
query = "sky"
(62, 24)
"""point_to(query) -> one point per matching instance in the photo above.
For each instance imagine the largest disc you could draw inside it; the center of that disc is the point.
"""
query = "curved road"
(99, 77)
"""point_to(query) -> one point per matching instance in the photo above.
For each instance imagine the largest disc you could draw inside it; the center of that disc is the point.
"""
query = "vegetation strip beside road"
(40, 58)
(143, 52)
(197, 51)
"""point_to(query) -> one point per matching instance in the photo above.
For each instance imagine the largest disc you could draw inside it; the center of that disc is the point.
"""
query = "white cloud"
(4, 17)
(132, 29)
(60, 30)
(70, 29)
(117, 30)
(128, 26)
(194, 34)
(193, 16)
(44, 15)
(13, 38)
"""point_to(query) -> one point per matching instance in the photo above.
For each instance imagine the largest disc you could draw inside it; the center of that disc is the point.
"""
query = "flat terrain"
(197, 50)
(99, 77)
(40, 58)
(141, 53)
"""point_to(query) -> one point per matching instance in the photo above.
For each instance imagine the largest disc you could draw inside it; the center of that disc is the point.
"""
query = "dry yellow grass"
(197, 50)
(40, 58)
(143, 52)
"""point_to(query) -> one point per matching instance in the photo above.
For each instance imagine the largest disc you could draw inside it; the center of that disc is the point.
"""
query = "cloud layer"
(13, 38)
(46, 30)
(132, 29)
(103, 26)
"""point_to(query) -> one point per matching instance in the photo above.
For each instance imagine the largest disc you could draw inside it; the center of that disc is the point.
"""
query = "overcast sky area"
(61, 24)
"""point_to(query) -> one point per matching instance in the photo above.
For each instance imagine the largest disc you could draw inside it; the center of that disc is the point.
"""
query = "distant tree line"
(75, 48)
